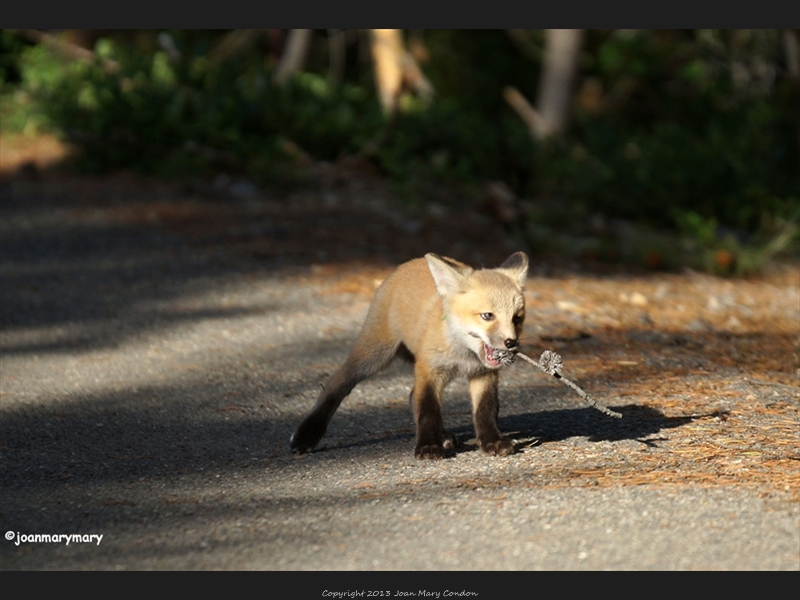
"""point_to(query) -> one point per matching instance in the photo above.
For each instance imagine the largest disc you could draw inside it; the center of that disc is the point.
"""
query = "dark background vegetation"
(681, 147)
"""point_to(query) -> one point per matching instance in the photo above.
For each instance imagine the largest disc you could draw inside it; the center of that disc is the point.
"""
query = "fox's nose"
(510, 343)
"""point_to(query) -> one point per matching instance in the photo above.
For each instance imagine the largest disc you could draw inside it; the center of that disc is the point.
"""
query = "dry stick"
(550, 363)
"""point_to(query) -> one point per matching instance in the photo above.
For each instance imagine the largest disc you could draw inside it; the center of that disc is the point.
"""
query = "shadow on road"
(637, 423)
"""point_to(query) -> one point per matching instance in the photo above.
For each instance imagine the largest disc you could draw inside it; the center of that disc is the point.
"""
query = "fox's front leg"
(426, 399)
(485, 410)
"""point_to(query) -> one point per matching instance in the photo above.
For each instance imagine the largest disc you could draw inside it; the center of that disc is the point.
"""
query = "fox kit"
(451, 320)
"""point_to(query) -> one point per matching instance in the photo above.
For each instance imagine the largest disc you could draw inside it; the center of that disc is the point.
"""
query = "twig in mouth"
(550, 363)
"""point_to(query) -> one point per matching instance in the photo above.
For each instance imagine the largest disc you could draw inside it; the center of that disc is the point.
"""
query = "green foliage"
(11, 47)
(692, 130)
(473, 66)
(450, 145)
(642, 173)
(680, 141)
(166, 118)
(708, 246)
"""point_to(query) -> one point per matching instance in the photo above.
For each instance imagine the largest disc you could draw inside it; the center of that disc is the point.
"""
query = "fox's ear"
(516, 267)
(450, 276)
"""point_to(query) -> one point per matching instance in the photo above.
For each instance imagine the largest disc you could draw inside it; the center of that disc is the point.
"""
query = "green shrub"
(680, 131)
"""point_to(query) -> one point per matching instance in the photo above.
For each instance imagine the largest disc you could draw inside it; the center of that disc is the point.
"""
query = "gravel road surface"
(155, 363)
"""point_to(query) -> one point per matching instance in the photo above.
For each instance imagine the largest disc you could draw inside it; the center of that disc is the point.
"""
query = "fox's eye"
(487, 316)
(517, 319)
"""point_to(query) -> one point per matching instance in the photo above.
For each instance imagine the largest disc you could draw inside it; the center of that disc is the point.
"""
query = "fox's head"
(484, 309)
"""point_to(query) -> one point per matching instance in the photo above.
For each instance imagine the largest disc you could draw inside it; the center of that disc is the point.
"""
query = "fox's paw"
(298, 445)
(305, 438)
(429, 451)
(501, 447)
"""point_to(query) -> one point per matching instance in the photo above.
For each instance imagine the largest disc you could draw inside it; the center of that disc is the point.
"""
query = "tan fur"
(433, 307)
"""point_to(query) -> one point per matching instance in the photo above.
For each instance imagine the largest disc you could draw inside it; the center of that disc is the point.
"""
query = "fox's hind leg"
(366, 359)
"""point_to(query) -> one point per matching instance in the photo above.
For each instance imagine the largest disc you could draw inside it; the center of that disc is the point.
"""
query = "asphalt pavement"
(150, 385)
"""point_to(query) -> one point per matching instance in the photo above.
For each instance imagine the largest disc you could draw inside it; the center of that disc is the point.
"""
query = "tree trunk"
(387, 52)
(560, 65)
(394, 68)
(792, 49)
(233, 43)
(554, 101)
(294, 54)
(336, 50)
